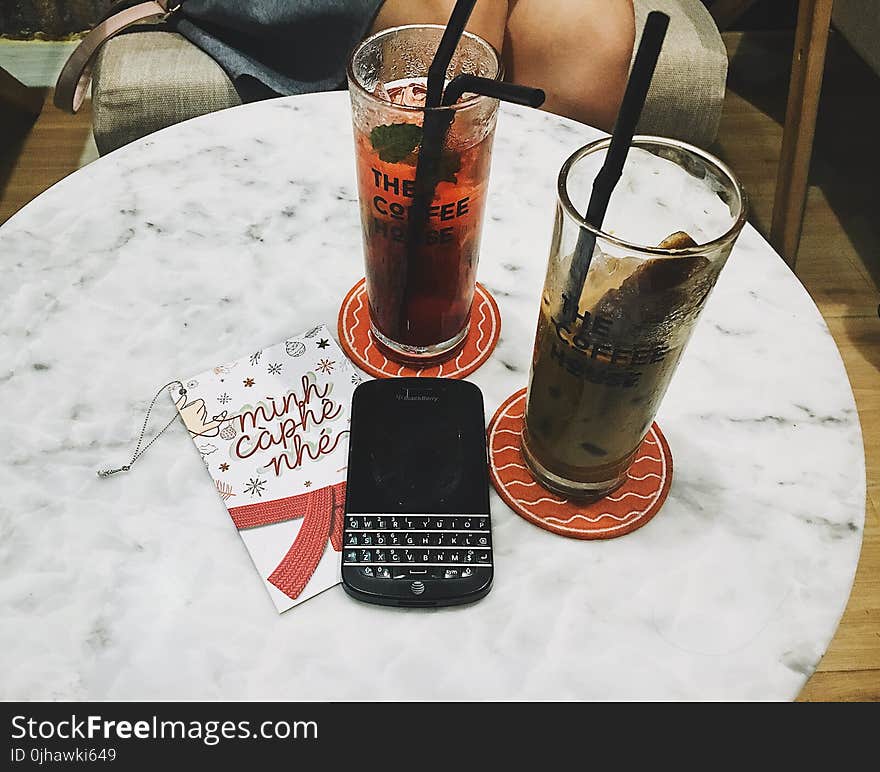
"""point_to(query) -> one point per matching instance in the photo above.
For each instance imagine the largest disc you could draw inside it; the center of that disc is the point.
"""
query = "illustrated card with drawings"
(272, 430)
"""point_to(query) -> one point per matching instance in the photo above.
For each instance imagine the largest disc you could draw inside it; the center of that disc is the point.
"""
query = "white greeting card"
(272, 430)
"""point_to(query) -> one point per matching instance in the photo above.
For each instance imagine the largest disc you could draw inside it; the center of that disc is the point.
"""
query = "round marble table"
(241, 228)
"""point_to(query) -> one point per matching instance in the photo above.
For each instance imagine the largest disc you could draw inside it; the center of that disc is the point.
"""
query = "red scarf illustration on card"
(322, 511)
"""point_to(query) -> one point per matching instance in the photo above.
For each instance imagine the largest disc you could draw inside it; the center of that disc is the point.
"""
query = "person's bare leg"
(578, 51)
(487, 19)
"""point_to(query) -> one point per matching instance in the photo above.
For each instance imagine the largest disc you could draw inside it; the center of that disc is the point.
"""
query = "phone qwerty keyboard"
(411, 547)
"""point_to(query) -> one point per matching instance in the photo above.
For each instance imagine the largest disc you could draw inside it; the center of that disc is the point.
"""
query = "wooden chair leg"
(19, 97)
(807, 68)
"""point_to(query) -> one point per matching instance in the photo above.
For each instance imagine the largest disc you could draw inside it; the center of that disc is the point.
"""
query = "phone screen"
(417, 446)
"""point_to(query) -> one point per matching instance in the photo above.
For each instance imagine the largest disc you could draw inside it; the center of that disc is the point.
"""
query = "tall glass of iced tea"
(605, 352)
(421, 260)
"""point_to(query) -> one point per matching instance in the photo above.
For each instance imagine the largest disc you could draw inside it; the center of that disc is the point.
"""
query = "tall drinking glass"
(421, 262)
(605, 352)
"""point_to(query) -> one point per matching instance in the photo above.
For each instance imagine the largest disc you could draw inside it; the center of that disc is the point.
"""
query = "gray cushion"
(687, 92)
(144, 81)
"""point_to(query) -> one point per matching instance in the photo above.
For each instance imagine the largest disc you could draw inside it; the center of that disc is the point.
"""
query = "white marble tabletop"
(238, 229)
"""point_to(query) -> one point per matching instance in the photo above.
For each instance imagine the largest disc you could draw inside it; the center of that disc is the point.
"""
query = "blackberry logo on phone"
(417, 396)
(417, 529)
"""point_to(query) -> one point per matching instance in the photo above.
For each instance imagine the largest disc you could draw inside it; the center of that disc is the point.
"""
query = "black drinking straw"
(495, 89)
(433, 132)
(608, 176)
(443, 56)
(429, 153)
(442, 119)
(436, 124)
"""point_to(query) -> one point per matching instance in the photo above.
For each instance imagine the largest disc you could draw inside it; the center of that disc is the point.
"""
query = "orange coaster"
(359, 344)
(629, 507)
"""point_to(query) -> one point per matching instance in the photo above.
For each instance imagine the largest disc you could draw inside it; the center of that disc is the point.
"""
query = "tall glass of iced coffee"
(606, 348)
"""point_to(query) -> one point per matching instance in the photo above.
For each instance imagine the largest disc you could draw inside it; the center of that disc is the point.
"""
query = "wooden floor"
(839, 261)
(34, 156)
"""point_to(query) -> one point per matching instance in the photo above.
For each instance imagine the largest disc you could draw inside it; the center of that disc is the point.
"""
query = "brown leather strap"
(73, 82)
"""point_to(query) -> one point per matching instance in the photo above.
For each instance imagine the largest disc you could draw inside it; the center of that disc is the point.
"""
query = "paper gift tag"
(272, 430)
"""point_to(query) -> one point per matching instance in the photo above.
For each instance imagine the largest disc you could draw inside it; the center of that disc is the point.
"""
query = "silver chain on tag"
(138, 451)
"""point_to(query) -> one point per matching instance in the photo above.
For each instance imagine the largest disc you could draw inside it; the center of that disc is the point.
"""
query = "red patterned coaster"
(629, 507)
(359, 344)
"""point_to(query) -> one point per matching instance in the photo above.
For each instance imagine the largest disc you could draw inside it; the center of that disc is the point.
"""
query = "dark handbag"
(267, 47)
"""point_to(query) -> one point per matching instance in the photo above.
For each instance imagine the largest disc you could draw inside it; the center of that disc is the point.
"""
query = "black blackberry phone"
(417, 529)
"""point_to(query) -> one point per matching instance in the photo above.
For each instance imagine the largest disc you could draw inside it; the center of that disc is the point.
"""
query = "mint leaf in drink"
(449, 166)
(396, 141)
